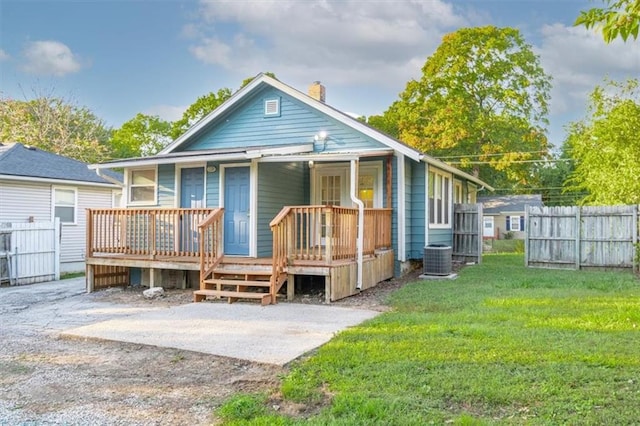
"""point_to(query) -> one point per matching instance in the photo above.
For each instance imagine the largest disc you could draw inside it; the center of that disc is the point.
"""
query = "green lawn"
(501, 344)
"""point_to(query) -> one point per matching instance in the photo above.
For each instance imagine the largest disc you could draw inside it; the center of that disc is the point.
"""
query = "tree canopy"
(605, 146)
(619, 18)
(143, 135)
(199, 109)
(56, 125)
(481, 104)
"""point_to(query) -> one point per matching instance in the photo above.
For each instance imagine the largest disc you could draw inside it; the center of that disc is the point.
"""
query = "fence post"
(56, 248)
(634, 235)
(527, 229)
(578, 230)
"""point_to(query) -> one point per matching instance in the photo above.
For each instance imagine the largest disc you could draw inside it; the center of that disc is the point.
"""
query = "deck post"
(327, 289)
(291, 284)
(91, 284)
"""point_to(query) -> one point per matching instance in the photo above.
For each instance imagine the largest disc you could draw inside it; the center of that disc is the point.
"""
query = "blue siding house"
(276, 184)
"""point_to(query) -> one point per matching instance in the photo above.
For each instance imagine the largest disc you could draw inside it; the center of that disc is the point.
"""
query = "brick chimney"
(317, 91)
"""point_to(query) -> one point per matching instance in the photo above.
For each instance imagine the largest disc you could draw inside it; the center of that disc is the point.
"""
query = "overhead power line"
(490, 155)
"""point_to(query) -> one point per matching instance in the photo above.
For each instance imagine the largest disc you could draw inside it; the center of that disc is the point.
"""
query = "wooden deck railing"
(326, 233)
(211, 244)
(148, 232)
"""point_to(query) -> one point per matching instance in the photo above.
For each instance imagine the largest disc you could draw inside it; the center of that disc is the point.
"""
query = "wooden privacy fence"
(467, 233)
(29, 252)
(581, 237)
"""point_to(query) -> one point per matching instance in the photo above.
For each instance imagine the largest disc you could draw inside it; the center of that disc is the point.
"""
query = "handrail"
(149, 232)
(326, 233)
(211, 244)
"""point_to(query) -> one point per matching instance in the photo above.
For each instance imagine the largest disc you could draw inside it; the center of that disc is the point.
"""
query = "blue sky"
(122, 57)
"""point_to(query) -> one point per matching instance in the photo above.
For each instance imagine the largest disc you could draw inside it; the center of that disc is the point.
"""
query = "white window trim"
(127, 177)
(114, 195)
(370, 167)
(178, 181)
(519, 221)
(457, 184)
(448, 225)
(75, 203)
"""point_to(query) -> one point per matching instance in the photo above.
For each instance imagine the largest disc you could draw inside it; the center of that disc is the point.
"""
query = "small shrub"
(519, 246)
(508, 235)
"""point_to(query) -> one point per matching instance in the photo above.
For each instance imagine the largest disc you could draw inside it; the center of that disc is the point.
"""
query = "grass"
(69, 275)
(502, 344)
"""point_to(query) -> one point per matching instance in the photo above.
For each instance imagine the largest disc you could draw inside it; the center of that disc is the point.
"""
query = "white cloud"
(4, 55)
(49, 57)
(578, 60)
(342, 41)
(166, 112)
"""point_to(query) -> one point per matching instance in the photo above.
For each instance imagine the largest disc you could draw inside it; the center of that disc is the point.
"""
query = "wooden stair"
(238, 282)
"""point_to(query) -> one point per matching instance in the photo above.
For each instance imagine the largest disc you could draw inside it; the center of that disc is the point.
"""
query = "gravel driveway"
(46, 380)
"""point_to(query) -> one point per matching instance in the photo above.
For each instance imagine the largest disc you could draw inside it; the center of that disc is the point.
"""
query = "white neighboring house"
(504, 215)
(38, 186)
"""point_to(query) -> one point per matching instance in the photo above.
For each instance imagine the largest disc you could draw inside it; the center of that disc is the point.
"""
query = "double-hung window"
(142, 186)
(65, 202)
(515, 223)
(439, 199)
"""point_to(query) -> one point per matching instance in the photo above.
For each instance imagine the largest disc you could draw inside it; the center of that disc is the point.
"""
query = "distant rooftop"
(21, 160)
(509, 203)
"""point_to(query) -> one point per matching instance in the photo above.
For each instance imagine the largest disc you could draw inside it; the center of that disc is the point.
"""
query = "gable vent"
(272, 107)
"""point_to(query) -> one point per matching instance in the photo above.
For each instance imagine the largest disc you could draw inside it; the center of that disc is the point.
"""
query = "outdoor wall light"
(321, 136)
(211, 169)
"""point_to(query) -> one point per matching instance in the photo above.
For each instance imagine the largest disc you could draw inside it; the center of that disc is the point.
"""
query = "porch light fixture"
(211, 169)
(321, 136)
(311, 164)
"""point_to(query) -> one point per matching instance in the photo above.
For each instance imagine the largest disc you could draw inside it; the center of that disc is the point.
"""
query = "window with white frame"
(142, 186)
(65, 204)
(515, 223)
(439, 199)
(457, 192)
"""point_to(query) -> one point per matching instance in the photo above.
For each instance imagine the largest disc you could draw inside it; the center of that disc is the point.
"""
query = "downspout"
(108, 178)
(360, 204)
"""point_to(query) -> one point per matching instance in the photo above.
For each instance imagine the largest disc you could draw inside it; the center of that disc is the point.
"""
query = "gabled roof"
(509, 203)
(262, 79)
(22, 162)
(259, 82)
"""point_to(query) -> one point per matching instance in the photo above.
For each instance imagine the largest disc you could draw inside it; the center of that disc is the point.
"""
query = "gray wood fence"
(581, 237)
(467, 233)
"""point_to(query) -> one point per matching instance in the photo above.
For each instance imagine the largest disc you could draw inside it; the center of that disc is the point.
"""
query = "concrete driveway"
(275, 334)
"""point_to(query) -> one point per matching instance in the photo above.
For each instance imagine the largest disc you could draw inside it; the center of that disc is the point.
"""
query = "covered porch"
(349, 247)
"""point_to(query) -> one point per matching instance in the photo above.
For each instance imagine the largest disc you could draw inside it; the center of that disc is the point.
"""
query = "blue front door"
(192, 188)
(236, 211)
(191, 197)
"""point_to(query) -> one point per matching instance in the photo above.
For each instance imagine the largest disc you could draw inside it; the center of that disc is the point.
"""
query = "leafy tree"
(481, 103)
(605, 146)
(141, 136)
(199, 109)
(56, 125)
(619, 18)
(204, 105)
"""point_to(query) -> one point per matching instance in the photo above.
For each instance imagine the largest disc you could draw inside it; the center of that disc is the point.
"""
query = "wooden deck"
(307, 240)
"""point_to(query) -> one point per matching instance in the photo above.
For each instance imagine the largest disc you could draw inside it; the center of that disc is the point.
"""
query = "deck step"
(243, 272)
(200, 295)
(248, 283)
